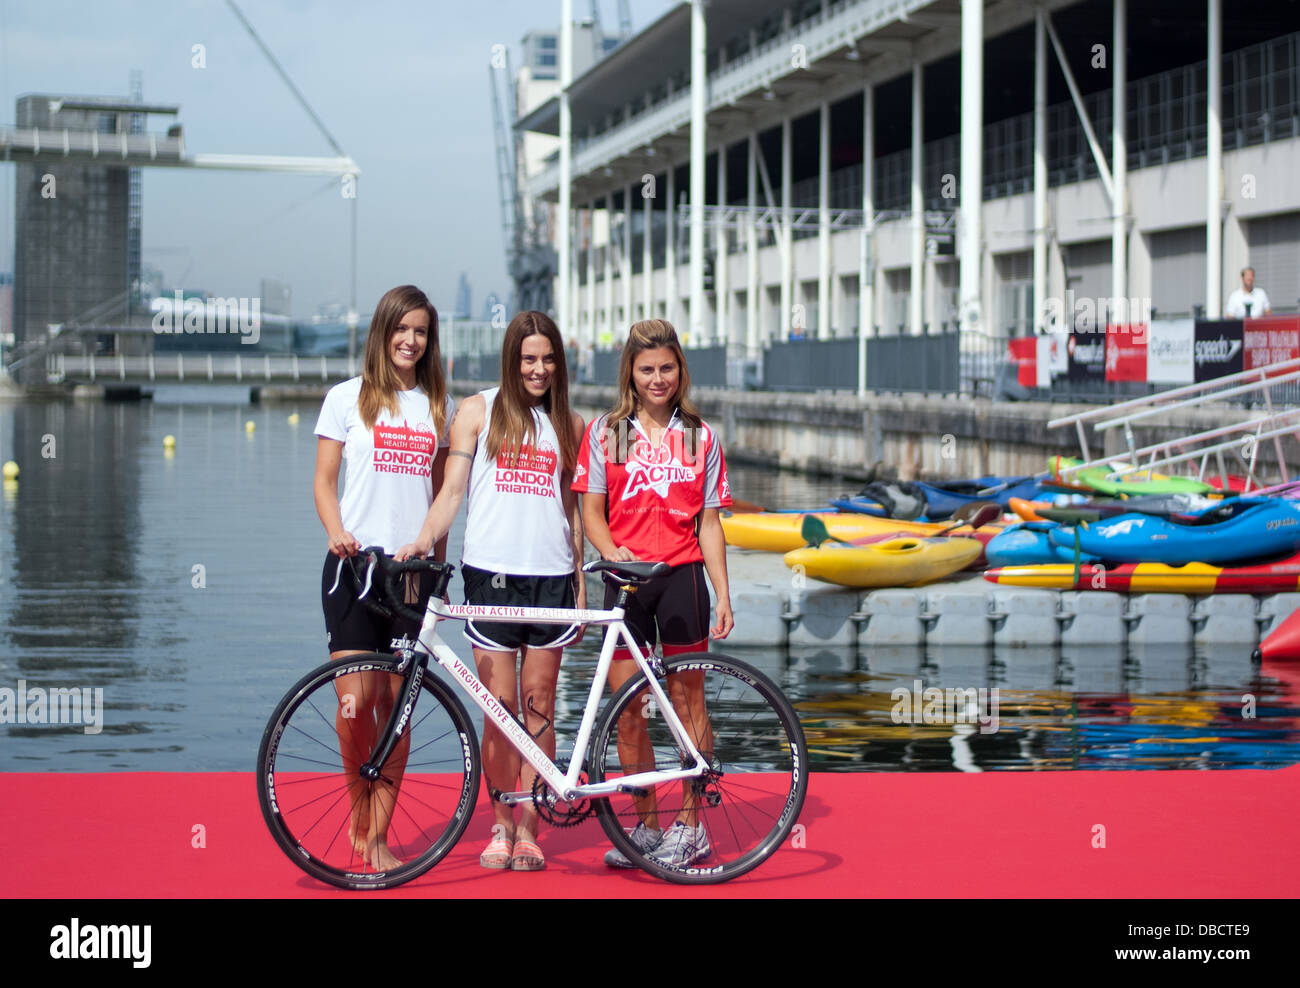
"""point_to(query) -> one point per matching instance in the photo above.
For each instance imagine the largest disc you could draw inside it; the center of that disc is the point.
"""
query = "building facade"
(868, 169)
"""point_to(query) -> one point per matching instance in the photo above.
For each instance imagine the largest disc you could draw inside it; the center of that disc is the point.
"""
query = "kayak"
(1279, 576)
(1267, 528)
(941, 502)
(905, 562)
(1139, 482)
(1027, 544)
(859, 505)
(781, 532)
(1187, 509)
(983, 535)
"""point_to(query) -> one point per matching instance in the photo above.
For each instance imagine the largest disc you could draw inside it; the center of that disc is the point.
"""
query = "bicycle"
(422, 764)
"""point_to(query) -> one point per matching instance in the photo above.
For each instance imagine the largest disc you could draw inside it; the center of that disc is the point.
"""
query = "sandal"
(527, 857)
(497, 854)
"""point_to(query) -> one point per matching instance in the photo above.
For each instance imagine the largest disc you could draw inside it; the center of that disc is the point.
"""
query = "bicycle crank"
(560, 812)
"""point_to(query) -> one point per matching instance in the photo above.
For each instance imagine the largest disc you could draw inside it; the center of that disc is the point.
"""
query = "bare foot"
(380, 857)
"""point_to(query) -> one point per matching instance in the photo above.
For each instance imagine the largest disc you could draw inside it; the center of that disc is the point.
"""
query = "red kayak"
(1275, 576)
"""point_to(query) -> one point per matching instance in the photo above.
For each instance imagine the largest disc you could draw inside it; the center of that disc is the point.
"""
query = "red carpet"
(1211, 834)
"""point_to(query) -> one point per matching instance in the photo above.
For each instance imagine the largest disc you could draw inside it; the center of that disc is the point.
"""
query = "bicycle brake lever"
(338, 575)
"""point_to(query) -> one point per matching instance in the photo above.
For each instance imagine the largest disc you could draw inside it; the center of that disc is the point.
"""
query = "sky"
(402, 86)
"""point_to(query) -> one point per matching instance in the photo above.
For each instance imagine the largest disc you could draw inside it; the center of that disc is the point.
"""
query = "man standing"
(1247, 302)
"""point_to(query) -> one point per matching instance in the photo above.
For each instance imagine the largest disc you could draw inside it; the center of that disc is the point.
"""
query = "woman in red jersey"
(652, 476)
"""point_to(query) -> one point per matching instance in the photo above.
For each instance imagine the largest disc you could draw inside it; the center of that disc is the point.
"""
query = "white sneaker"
(682, 845)
(643, 837)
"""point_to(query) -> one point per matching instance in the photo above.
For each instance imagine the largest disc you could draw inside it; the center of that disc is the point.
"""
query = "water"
(185, 587)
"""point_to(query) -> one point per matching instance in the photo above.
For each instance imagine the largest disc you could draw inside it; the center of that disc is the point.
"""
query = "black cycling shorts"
(671, 610)
(505, 589)
(352, 626)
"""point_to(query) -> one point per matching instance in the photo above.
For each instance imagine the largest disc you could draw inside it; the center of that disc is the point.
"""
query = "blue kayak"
(942, 501)
(1027, 544)
(862, 505)
(1267, 528)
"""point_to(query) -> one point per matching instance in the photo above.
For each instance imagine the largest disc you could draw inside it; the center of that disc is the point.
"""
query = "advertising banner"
(1169, 352)
(1217, 348)
(1270, 340)
(1126, 352)
(1087, 357)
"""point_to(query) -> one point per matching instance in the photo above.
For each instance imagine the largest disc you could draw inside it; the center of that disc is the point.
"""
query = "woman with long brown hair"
(390, 425)
(515, 448)
(653, 477)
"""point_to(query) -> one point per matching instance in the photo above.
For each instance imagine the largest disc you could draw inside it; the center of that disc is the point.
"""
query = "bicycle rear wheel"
(325, 816)
(745, 807)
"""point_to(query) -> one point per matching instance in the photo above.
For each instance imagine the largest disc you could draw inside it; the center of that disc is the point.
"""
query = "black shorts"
(483, 587)
(671, 610)
(351, 625)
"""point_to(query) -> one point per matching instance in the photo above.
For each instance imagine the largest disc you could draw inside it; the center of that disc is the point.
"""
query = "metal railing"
(1245, 386)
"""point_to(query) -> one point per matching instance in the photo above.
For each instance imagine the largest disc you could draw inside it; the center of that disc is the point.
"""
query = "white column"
(1119, 167)
(591, 274)
(866, 295)
(1214, 166)
(752, 338)
(626, 266)
(566, 167)
(972, 162)
(916, 292)
(609, 265)
(824, 222)
(699, 82)
(1040, 171)
(670, 248)
(721, 288)
(574, 298)
(647, 256)
(787, 231)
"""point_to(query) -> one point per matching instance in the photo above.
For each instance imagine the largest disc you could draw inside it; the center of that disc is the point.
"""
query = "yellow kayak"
(780, 532)
(905, 562)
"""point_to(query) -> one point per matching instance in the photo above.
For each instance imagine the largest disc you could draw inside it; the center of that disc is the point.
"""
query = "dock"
(775, 606)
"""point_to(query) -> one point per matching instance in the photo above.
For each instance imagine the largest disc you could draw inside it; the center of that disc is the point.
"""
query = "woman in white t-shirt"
(515, 448)
(390, 425)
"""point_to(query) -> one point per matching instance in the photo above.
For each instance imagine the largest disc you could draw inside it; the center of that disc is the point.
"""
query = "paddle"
(813, 530)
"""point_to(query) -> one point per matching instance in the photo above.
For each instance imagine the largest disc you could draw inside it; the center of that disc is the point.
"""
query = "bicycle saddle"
(637, 572)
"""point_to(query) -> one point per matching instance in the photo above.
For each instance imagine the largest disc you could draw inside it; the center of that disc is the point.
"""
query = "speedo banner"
(1216, 349)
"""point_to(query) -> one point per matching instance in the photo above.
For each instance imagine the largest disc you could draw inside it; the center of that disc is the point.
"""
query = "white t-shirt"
(516, 522)
(1238, 300)
(388, 484)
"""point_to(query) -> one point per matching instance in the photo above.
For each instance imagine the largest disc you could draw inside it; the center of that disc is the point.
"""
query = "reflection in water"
(187, 587)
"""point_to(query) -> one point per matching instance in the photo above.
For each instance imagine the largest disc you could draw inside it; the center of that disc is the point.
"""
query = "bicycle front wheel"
(340, 827)
(743, 809)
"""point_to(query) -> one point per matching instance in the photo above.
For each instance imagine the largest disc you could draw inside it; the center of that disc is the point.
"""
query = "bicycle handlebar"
(391, 571)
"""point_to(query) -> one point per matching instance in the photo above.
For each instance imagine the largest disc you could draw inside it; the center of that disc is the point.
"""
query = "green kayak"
(1141, 482)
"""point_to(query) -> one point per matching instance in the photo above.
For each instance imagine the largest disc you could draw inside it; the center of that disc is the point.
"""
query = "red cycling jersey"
(654, 493)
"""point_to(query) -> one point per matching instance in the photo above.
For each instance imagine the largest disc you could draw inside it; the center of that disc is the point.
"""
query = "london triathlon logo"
(656, 468)
(404, 449)
(531, 472)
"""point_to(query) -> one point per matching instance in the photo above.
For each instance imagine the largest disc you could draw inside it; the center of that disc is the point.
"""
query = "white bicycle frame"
(566, 785)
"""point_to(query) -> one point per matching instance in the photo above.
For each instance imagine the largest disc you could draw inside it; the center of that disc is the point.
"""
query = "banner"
(1169, 352)
(1217, 348)
(1087, 356)
(1126, 352)
(1270, 340)
(1024, 353)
